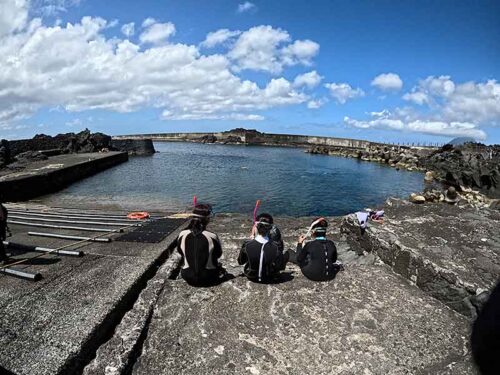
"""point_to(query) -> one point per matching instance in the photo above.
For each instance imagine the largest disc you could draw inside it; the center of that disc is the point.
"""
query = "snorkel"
(254, 226)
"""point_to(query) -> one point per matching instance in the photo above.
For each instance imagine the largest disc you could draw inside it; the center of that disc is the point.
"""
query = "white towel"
(362, 218)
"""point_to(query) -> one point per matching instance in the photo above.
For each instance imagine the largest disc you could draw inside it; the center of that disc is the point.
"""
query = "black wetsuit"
(3, 231)
(317, 260)
(200, 254)
(485, 339)
(273, 260)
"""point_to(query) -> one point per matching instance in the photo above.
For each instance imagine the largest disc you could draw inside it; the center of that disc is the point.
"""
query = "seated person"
(3, 233)
(261, 257)
(200, 250)
(317, 258)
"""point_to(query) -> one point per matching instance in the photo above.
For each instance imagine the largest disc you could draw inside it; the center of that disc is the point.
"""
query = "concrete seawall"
(134, 146)
(57, 172)
(249, 137)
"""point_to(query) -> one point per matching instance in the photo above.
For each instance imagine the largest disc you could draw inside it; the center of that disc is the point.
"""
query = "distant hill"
(461, 140)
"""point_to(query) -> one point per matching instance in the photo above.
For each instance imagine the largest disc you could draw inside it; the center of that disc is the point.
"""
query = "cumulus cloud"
(300, 52)
(13, 16)
(429, 89)
(342, 92)
(388, 82)
(128, 29)
(219, 37)
(310, 79)
(385, 120)
(51, 8)
(477, 102)
(316, 103)
(78, 68)
(264, 48)
(246, 7)
(157, 33)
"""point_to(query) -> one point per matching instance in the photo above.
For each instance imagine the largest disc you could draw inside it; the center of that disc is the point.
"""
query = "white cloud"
(310, 79)
(342, 92)
(478, 102)
(157, 33)
(219, 37)
(246, 6)
(148, 22)
(76, 67)
(385, 120)
(429, 88)
(470, 101)
(264, 48)
(316, 103)
(128, 29)
(388, 82)
(51, 8)
(300, 51)
(13, 16)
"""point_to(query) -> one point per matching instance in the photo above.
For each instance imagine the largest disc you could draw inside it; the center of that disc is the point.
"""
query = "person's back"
(261, 257)
(3, 230)
(200, 250)
(318, 258)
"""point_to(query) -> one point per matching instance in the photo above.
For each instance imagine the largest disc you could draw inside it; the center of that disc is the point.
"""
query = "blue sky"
(397, 71)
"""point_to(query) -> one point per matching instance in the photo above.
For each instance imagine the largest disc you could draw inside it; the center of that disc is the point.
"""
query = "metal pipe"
(43, 249)
(66, 237)
(21, 274)
(32, 213)
(72, 221)
(56, 213)
(63, 227)
(65, 212)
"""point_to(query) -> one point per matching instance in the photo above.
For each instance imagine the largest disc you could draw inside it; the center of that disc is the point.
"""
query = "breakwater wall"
(252, 137)
(56, 173)
(134, 146)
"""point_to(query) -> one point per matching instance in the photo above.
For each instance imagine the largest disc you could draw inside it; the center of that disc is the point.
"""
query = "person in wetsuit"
(262, 258)
(200, 250)
(485, 338)
(317, 259)
(3, 231)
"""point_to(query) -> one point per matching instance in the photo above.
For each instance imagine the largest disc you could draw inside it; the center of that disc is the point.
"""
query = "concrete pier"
(55, 173)
(54, 326)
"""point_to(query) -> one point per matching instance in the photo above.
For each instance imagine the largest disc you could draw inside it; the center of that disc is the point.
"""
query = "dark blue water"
(232, 178)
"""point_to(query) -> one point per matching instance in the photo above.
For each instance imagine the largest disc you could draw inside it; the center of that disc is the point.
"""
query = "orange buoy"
(138, 215)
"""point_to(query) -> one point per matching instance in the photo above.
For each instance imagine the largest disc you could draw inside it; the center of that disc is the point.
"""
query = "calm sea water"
(231, 178)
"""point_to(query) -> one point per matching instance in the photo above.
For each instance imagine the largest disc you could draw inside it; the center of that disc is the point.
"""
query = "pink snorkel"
(257, 204)
(194, 201)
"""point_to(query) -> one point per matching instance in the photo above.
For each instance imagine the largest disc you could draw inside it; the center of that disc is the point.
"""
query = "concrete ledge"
(54, 174)
(118, 354)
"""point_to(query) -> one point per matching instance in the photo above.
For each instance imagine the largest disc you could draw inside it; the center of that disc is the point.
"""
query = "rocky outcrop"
(5, 155)
(137, 147)
(471, 165)
(208, 139)
(85, 141)
(399, 157)
(450, 252)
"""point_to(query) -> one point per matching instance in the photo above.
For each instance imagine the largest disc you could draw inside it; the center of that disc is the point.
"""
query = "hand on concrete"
(301, 239)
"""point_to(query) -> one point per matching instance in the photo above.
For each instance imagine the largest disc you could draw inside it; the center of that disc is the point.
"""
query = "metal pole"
(71, 221)
(43, 249)
(21, 274)
(66, 237)
(64, 227)
(79, 217)
(68, 212)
